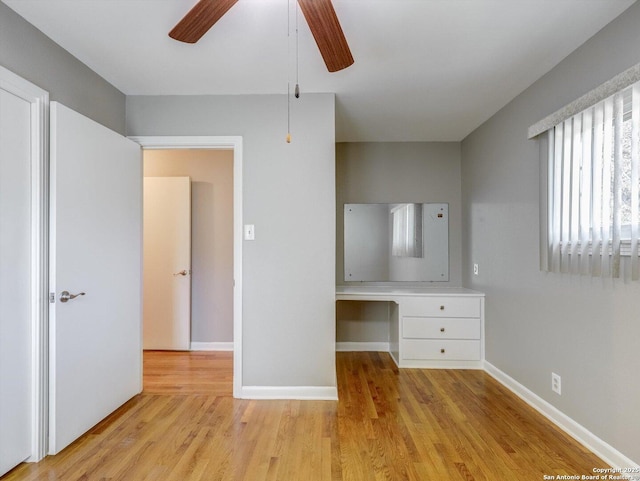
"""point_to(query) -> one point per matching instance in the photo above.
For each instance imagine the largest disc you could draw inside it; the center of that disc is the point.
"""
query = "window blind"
(593, 189)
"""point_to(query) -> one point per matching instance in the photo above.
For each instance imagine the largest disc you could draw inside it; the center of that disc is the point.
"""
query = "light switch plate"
(249, 232)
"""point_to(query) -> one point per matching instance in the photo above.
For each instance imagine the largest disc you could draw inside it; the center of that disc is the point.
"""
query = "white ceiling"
(424, 69)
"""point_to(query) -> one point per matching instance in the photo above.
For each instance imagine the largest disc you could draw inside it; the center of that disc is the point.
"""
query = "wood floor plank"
(389, 424)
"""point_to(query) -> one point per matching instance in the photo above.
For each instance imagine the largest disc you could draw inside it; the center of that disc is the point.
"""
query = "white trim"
(215, 142)
(608, 453)
(348, 346)
(306, 393)
(39, 100)
(158, 142)
(212, 346)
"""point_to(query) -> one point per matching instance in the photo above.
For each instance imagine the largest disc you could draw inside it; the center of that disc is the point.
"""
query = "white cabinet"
(438, 350)
(441, 331)
(441, 306)
(440, 328)
(432, 328)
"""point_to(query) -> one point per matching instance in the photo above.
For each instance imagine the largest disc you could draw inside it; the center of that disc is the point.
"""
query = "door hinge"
(52, 298)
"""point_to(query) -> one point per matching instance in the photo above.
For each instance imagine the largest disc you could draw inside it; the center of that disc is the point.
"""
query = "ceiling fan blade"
(326, 29)
(200, 19)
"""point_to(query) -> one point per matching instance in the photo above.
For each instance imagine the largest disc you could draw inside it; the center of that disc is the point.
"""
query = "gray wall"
(369, 172)
(29, 53)
(587, 330)
(362, 321)
(211, 173)
(289, 195)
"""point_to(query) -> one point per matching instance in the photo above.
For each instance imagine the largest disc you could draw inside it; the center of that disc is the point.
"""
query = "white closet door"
(15, 281)
(95, 249)
(167, 263)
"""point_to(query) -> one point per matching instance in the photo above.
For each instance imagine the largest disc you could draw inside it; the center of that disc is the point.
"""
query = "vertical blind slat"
(617, 182)
(606, 185)
(585, 192)
(574, 208)
(557, 198)
(635, 179)
(546, 250)
(596, 200)
(565, 214)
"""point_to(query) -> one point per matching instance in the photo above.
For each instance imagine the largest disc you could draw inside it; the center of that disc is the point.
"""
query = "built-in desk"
(429, 328)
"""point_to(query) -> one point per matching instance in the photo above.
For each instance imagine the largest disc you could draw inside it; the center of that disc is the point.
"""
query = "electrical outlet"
(475, 269)
(556, 383)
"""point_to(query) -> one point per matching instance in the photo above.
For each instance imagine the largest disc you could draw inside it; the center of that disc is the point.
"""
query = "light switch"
(249, 232)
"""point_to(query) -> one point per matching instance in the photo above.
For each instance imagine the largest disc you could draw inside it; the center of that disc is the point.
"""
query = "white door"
(15, 281)
(167, 263)
(95, 254)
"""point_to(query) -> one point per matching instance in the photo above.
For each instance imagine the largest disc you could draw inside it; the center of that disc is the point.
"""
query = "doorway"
(209, 262)
(189, 147)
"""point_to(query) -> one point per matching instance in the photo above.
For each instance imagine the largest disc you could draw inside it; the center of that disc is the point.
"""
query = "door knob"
(181, 273)
(65, 296)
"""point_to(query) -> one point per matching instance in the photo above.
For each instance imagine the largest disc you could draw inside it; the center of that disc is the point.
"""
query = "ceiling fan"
(320, 16)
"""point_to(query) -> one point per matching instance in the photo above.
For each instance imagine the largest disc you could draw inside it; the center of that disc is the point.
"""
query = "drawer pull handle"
(442, 329)
(441, 351)
(442, 308)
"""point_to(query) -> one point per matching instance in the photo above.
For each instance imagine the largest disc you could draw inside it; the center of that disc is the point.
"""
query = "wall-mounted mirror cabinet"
(405, 242)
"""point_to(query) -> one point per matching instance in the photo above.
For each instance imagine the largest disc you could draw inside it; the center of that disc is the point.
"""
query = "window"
(593, 190)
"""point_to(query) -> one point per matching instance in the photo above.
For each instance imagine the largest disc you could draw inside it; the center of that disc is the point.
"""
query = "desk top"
(390, 293)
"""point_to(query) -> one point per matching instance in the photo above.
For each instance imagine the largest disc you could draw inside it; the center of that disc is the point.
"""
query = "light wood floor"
(388, 425)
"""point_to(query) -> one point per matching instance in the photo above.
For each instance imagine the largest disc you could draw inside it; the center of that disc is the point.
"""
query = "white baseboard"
(212, 346)
(362, 346)
(600, 448)
(308, 393)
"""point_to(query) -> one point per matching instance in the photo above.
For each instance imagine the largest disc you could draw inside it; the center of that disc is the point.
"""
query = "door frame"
(217, 143)
(39, 100)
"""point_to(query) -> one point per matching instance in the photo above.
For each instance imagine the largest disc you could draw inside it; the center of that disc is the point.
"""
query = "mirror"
(396, 242)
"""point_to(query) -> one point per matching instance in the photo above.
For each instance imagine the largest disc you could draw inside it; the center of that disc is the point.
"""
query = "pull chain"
(297, 89)
(288, 113)
(288, 138)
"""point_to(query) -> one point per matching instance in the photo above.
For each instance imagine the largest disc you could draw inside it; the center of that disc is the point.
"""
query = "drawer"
(440, 328)
(449, 306)
(440, 350)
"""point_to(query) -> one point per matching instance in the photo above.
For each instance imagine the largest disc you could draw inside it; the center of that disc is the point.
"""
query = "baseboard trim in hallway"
(212, 346)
